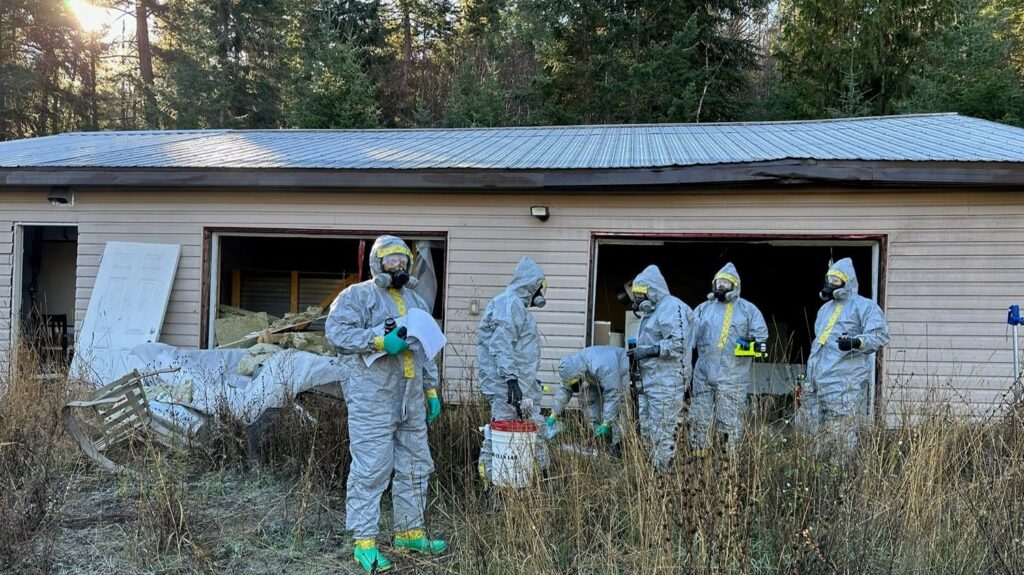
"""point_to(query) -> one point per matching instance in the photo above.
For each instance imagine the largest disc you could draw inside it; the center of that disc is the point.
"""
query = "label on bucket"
(514, 457)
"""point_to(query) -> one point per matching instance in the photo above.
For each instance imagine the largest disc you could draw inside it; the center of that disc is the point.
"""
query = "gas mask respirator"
(538, 299)
(642, 306)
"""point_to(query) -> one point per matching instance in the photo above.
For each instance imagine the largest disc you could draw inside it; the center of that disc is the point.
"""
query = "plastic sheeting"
(215, 386)
(423, 270)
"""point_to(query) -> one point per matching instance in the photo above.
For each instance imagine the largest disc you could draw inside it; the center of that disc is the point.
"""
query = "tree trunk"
(405, 103)
(146, 61)
(229, 109)
(94, 112)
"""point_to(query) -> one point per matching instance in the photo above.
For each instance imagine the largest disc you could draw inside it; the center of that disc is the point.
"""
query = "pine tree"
(644, 60)
(879, 44)
(331, 90)
(225, 63)
(47, 71)
(967, 69)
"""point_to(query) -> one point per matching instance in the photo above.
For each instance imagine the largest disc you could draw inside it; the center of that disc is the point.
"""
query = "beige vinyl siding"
(955, 259)
(6, 279)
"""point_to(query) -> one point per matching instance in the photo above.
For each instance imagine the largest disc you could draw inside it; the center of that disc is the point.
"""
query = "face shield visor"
(723, 285)
(392, 263)
(641, 303)
(833, 285)
(538, 296)
(639, 292)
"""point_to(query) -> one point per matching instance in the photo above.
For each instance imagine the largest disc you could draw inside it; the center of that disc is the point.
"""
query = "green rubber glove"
(551, 420)
(433, 405)
(603, 430)
(394, 342)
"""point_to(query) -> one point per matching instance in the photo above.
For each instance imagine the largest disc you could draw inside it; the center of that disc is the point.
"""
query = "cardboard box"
(617, 339)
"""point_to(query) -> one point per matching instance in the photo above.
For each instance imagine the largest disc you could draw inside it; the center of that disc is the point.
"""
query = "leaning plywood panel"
(126, 308)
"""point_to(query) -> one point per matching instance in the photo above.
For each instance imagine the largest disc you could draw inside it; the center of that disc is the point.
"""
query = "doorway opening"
(44, 298)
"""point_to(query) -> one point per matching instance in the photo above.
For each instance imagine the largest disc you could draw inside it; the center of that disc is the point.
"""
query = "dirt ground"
(234, 522)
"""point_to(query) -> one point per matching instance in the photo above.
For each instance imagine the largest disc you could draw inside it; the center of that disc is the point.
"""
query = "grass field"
(943, 496)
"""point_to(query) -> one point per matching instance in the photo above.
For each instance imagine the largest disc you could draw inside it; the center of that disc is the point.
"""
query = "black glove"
(846, 343)
(515, 394)
(644, 352)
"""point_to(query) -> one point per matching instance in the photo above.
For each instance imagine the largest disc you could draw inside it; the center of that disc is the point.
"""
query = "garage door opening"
(781, 276)
(285, 273)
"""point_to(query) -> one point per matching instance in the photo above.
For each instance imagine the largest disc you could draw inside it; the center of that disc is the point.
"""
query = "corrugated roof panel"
(938, 137)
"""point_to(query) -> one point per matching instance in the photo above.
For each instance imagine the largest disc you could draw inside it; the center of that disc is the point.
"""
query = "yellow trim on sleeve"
(830, 325)
(365, 543)
(378, 343)
(726, 322)
(432, 393)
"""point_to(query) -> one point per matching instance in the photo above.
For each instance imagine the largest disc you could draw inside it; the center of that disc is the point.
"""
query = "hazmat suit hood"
(383, 246)
(571, 367)
(728, 272)
(527, 280)
(651, 278)
(844, 269)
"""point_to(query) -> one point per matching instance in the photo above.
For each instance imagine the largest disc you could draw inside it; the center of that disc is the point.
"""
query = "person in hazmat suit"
(600, 374)
(389, 405)
(508, 357)
(725, 327)
(848, 331)
(663, 353)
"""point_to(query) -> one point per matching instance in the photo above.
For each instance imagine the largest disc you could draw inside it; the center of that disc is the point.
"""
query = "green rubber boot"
(367, 555)
(417, 541)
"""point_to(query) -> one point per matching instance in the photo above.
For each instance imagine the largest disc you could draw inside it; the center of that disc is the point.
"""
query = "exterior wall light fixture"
(61, 196)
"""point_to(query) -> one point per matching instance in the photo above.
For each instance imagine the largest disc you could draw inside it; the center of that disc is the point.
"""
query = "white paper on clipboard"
(423, 331)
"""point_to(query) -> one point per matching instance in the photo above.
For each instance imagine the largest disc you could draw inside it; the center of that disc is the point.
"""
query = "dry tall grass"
(33, 453)
(944, 496)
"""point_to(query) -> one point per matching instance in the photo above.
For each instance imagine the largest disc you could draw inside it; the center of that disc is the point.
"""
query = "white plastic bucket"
(514, 457)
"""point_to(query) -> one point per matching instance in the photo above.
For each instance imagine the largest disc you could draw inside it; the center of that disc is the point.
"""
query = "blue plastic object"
(1013, 316)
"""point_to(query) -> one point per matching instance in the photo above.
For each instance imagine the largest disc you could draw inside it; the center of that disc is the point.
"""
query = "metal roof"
(914, 138)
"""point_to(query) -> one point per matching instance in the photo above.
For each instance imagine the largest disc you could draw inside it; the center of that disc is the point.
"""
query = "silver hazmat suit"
(665, 376)
(837, 382)
(386, 410)
(508, 346)
(720, 378)
(602, 373)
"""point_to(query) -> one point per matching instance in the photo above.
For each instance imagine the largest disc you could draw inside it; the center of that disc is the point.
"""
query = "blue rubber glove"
(603, 430)
(394, 342)
(552, 427)
(433, 405)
